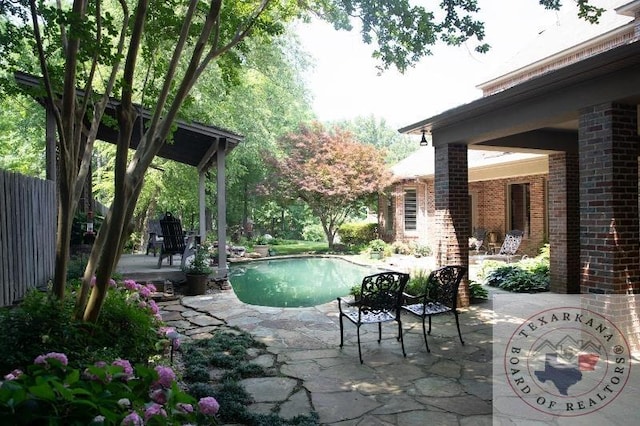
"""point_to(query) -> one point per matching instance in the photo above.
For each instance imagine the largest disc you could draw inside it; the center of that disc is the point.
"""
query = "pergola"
(198, 145)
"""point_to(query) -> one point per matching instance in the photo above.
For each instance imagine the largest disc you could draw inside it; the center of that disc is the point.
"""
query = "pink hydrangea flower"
(130, 285)
(166, 376)
(154, 410)
(153, 306)
(151, 287)
(208, 405)
(159, 396)
(126, 366)
(132, 419)
(144, 292)
(42, 359)
(112, 283)
(142, 304)
(13, 375)
(184, 407)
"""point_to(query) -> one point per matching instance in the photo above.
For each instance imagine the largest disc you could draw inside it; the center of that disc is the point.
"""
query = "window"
(410, 210)
(519, 207)
(390, 214)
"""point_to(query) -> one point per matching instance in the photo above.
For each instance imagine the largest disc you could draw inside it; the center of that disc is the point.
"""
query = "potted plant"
(376, 248)
(355, 291)
(197, 270)
(261, 245)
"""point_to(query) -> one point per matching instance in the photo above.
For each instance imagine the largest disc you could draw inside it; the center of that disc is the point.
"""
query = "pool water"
(295, 282)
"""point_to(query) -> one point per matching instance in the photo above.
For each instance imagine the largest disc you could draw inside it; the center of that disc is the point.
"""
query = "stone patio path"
(449, 386)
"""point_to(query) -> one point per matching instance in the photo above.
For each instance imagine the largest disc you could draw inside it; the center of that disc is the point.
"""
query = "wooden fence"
(27, 234)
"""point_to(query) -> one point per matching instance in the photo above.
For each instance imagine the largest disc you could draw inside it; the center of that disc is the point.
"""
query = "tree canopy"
(330, 171)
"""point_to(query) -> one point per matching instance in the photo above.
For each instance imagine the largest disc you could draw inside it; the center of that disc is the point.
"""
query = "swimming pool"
(295, 282)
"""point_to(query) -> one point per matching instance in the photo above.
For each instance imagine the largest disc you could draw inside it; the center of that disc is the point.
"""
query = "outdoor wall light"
(423, 141)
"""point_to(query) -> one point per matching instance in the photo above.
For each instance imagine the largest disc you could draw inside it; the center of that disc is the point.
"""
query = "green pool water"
(296, 282)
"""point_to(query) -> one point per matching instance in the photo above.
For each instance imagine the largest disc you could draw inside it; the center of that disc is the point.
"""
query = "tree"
(379, 134)
(154, 52)
(330, 171)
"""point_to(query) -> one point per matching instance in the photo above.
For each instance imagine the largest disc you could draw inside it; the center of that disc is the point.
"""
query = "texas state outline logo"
(567, 361)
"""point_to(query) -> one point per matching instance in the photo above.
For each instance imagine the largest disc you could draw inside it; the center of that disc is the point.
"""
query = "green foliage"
(420, 249)
(477, 291)
(127, 328)
(286, 247)
(527, 275)
(200, 263)
(229, 351)
(22, 135)
(411, 248)
(356, 290)
(51, 392)
(357, 233)
(378, 133)
(314, 232)
(77, 265)
(418, 282)
(377, 245)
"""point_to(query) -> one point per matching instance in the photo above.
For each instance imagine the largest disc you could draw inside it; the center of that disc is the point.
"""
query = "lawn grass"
(300, 247)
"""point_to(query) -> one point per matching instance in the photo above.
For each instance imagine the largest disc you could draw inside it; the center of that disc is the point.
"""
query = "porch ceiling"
(540, 114)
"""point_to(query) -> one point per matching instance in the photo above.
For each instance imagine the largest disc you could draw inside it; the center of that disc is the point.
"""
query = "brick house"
(506, 191)
(579, 107)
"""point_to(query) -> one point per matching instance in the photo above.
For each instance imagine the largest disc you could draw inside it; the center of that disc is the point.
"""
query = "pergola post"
(202, 203)
(221, 273)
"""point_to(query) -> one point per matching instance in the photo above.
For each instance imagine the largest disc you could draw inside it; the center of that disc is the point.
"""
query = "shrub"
(399, 247)
(359, 233)
(527, 275)
(417, 284)
(377, 245)
(76, 267)
(313, 233)
(477, 291)
(128, 327)
(418, 249)
(51, 392)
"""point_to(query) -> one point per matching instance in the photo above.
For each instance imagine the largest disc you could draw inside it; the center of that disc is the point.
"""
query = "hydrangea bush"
(51, 392)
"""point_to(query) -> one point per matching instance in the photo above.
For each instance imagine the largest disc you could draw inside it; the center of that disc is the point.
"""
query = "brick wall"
(564, 229)
(609, 235)
(491, 214)
(452, 211)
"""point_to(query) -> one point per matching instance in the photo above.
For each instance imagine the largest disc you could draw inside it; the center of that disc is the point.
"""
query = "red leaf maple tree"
(330, 170)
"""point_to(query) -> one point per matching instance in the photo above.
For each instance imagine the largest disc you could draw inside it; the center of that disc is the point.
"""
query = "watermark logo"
(567, 361)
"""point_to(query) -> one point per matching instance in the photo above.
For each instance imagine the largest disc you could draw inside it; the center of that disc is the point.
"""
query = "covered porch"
(585, 118)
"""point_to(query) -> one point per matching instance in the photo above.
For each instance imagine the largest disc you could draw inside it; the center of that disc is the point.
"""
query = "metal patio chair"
(511, 244)
(440, 297)
(380, 300)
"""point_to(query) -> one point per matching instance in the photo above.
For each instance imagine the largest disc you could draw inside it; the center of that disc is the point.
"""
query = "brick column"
(452, 215)
(609, 235)
(564, 228)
